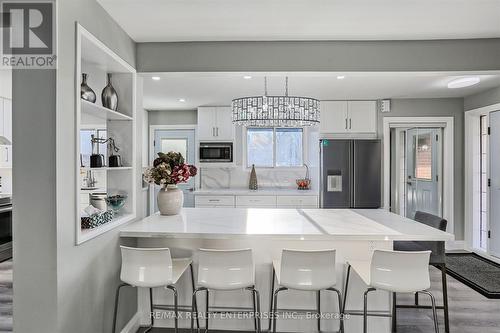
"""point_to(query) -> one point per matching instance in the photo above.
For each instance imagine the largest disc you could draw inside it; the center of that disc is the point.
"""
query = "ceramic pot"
(86, 92)
(170, 200)
(109, 97)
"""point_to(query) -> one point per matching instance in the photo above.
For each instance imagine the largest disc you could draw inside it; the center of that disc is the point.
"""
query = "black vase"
(109, 97)
(86, 92)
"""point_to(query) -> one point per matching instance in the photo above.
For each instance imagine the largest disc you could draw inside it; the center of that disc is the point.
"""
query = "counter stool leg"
(434, 312)
(270, 319)
(194, 310)
(365, 310)
(445, 299)
(193, 286)
(275, 309)
(256, 308)
(318, 300)
(176, 310)
(394, 309)
(117, 299)
(151, 314)
(346, 286)
(339, 296)
(206, 312)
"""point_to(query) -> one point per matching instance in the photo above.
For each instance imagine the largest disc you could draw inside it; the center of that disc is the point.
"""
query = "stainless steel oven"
(5, 227)
(216, 152)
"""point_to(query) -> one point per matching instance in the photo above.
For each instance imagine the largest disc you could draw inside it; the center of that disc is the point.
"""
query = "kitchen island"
(353, 233)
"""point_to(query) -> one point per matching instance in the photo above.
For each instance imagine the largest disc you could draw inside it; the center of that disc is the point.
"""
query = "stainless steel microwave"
(216, 152)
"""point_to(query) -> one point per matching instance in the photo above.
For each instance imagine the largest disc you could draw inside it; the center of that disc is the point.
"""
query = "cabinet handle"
(213, 131)
(213, 200)
(217, 128)
(6, 154)
(350, 123)
(345, 123)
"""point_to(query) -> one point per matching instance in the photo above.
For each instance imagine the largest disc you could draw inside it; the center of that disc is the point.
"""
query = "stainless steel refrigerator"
(350, 173)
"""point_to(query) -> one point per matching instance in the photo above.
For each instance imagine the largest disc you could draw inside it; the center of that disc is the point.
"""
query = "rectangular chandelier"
(275, 111)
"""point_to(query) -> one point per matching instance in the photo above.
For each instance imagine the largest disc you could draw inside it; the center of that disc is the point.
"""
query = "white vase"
(170, 200)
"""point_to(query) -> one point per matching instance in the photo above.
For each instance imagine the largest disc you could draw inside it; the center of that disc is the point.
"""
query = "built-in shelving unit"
(97, 60)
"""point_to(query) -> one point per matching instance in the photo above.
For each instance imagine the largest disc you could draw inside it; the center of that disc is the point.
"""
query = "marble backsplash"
(224, 178)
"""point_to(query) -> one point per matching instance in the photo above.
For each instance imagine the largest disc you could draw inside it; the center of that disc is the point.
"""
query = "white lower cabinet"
(257, 201)
(214, 201)
(297, 201)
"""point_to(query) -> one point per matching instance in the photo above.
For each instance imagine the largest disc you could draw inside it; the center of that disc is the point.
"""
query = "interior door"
(423, 171)
(494, 220)
(182, 141)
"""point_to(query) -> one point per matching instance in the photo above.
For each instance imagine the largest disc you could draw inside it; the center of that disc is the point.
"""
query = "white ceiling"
(204, 89)
(216, 20)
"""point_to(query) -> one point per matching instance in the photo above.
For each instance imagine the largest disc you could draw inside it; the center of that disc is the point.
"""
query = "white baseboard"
(133, 324)
(455, 245)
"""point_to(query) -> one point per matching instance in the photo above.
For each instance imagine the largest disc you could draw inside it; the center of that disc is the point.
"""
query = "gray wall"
(34, 204)
(437, 55)
(439, 107)
(181, 117)
(59, 287)
(484, 98)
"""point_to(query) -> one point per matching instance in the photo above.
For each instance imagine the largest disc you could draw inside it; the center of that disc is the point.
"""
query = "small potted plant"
(167, 171)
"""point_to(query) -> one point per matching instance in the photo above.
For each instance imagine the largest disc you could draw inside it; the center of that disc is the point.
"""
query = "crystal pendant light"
(275, 111)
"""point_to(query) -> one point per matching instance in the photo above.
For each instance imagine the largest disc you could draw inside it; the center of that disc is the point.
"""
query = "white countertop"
(309, 224)
(263, 191)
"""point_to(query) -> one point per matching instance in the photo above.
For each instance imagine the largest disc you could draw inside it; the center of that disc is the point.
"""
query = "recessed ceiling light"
(464, 82)
(182, 100)
(340, 77)
(156, 78)
(247, 77)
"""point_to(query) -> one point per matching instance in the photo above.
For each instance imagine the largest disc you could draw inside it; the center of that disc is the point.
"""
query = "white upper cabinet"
(215, 124)
(333, 117)
(362, 116)
(346, 117)
(206, 123)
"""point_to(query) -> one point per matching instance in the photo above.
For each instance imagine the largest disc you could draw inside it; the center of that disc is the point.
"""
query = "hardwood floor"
(6, 296)
(470, 312)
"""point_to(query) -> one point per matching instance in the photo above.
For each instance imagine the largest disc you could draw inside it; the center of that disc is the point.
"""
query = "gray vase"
(86, 92)
(252, 185)
(109, 97)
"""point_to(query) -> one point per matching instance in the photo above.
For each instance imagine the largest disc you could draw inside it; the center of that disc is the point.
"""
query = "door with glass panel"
(181, 141)
(423, 171)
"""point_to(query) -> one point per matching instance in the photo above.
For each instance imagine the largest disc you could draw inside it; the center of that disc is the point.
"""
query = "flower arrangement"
(169, 169)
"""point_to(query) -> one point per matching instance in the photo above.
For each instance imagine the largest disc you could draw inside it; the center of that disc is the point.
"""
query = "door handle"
(350, 123)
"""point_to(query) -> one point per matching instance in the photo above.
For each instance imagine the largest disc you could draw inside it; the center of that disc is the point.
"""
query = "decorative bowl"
(116, 202)
(303, 184)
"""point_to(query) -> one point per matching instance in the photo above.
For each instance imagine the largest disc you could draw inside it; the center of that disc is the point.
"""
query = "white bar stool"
(396, 272)
(306, 271)
(226, 270)
(151, 268)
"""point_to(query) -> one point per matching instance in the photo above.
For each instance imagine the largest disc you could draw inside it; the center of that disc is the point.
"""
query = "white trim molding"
(448, 158)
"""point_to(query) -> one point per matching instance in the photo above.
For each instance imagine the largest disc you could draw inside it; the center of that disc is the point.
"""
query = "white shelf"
(99, 111)
(87, 234)
(107, 168)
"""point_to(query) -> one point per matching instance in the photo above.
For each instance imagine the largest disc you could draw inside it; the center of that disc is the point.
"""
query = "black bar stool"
(437, 259)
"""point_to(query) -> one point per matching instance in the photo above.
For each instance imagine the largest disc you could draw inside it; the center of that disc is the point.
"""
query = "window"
(274, 147)
(483, 236)
(423, 165)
